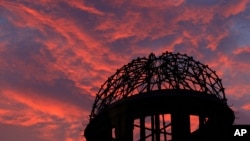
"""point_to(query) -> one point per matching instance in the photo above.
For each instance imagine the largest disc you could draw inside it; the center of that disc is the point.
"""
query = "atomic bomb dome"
(153, 87)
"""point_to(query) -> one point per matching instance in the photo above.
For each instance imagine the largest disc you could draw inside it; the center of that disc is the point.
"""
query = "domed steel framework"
(148, 89)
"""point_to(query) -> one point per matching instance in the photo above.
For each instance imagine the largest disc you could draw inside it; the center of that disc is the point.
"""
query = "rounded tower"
(154, 99)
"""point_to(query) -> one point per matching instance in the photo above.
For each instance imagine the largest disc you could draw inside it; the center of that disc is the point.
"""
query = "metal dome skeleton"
(168, 71)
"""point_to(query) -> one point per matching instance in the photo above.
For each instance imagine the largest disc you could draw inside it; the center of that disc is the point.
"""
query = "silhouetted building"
(153, 99)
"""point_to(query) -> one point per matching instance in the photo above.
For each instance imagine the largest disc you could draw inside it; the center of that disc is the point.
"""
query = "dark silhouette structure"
(153, 99)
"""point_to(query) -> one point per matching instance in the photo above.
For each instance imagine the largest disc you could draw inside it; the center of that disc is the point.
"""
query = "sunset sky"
(55, 55)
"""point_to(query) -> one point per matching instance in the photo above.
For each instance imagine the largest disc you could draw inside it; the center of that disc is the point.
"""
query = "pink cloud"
(155, 4)
(82, 54)
(246, 107)
(241, 50)
(45, 105)
(135, 24)
(41, 112)
(80, 4)
(234, 8)
(197, 14)
(82, 45)
(214, 40)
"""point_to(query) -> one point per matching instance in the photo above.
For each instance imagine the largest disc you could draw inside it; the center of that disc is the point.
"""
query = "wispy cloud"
(55, 55)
